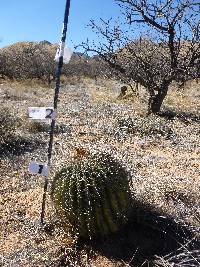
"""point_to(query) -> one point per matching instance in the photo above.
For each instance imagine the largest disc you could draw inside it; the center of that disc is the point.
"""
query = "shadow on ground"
(182, 116)
(16, 146)
(147, 234)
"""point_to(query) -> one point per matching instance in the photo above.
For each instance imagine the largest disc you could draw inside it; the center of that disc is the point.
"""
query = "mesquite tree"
(153, 43)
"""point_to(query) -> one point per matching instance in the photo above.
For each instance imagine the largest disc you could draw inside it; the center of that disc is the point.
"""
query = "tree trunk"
(155, 101)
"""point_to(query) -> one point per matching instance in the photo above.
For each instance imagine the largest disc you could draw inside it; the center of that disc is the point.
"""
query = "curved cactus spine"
(92, 193)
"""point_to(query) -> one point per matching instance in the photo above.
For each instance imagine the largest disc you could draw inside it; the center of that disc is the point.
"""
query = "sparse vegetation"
(144, 126)
(161, 155)
(124, 184)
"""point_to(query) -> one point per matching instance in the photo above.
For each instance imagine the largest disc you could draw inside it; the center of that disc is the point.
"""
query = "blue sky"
(37, 20)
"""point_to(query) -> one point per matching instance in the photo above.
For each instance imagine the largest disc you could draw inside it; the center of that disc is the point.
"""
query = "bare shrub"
(28, 60)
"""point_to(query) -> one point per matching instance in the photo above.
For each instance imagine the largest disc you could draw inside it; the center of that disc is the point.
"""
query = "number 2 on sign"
(49, 113)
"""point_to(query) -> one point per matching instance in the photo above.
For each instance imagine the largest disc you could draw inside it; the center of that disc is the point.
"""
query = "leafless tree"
(153, 43)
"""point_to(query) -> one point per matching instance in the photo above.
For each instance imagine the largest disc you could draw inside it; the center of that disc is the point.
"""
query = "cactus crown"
(92, 193)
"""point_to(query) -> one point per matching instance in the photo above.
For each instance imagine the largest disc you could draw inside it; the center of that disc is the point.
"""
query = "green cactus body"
(92, 193)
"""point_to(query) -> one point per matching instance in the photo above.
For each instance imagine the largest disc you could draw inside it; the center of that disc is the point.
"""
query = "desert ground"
(162, 154)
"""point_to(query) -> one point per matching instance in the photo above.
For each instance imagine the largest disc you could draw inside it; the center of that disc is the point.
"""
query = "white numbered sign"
(38, 168)
(41, 113)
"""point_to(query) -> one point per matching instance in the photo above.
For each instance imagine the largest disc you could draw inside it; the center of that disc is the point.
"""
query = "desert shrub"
(92, 194)
(38, 126)
(29, 60)
(146, 126)
(35, 60)
(45, 127)
(8, 125)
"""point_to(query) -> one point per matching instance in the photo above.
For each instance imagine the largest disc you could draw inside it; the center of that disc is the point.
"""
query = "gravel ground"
(162, 155)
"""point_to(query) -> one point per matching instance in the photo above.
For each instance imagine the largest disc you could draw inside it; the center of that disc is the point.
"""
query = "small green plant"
(92, 194)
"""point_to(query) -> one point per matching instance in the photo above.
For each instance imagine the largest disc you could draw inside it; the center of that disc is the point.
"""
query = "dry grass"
(162, 154)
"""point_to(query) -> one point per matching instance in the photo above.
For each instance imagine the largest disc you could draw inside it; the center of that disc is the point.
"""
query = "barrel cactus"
(92, 194)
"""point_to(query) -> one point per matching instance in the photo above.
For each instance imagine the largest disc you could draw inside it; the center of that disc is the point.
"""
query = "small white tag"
(38, 168)
(64, 51)
(41, 113)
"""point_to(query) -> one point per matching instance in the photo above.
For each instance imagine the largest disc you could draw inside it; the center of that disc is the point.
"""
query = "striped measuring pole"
(63, 55)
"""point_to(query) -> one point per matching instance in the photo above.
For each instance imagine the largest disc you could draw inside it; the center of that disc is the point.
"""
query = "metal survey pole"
(57, 89)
